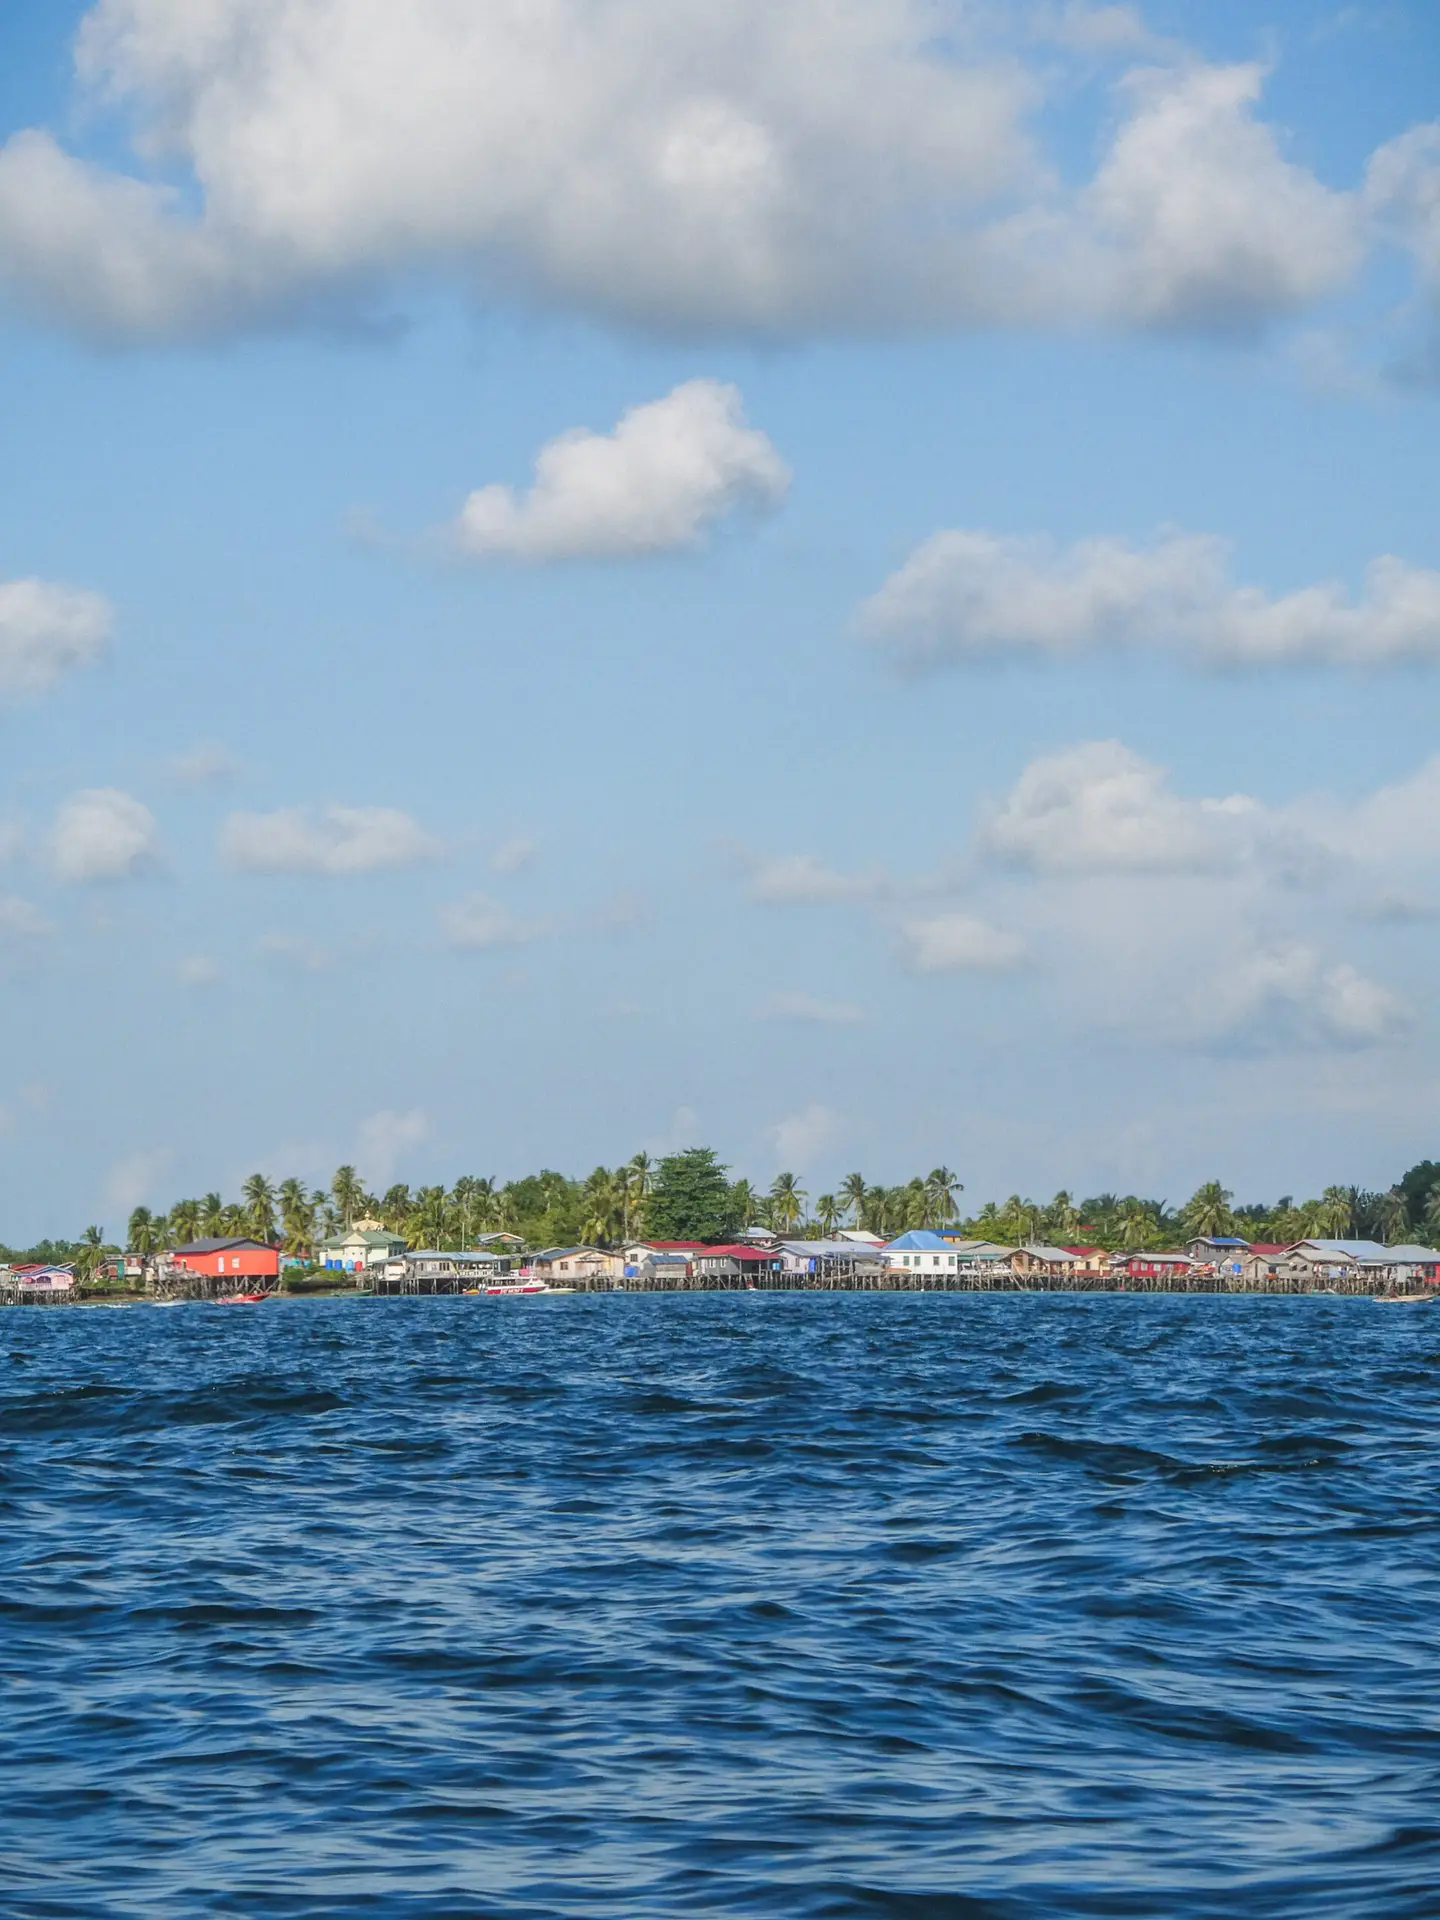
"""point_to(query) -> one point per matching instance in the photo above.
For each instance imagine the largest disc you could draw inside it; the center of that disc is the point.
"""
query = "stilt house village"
(681, 1224)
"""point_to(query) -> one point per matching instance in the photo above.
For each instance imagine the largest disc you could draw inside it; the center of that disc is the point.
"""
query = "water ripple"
(933, 1607)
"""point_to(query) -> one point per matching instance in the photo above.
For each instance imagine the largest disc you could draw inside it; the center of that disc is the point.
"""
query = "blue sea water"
(950, 1606)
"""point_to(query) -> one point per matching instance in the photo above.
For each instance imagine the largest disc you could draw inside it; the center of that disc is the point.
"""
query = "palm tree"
(427, 1222)
(827, 1214)
(212, 1216)
(852, 1195)
(1207, 1212)
(603, 1202)
(91, 1253)
(1394, 1214)
(144, 1232)
(1432, 1212)
(464, 1206)
(1136, 1222)
(876, 1210)
(259, 1196)
(787, 1203)
(349, 1195)
(397, 1207)
(990, 1222)
(941, 1188)
(184, 1222)
(640, 1178)
(1335, 1212)
(1062, 1217)
(297, 1216)
(747, 1203)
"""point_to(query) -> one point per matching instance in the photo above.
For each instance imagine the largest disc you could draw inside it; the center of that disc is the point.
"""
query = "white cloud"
(958, 942)
(806, 1008)
(963, 594)
(1402, 185)
(1284, 998)
(1097, 29)
(103, 834)
(46, 631)
(668, 471)
(21, 922)
(515, 854)
(769, 165)
(799, 879)
(197, 970)
(477, 922)
(326, 840)
(803, 1137)
(203, 763)
(296, 953)
(1101, 808)
(1195, 215)
(384, 1140)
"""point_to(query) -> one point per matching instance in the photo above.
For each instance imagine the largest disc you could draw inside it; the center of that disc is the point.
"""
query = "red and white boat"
(240, 1299)
(511, 1289)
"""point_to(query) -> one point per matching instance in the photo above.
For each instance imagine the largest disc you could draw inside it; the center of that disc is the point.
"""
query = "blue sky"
(941, 714)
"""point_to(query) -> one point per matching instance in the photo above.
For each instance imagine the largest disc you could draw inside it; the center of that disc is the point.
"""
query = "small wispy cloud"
(329, 840)
(204, 764)
(960, 943)
(799, 879)
(478, 922)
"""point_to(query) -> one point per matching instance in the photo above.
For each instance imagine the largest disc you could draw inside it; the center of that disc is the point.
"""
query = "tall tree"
(144, 1234)
(827, 1214)
(212, 1216)
(1416, 1186)
(852, 1193)
(349, 1195)
(1336, 1213)
(1207, 1212)
(259, 1196)
(184, 1222)
(941, 1190)
(1394, 1214)
(604, 1207)
(639, 1178)
(297, 1217)
(691, 1198)
(746, 1203)
(787, 1203)
(90, 1254)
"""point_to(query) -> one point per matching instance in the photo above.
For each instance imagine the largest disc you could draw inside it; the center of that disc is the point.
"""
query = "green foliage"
(1416, 1188)
(691, 1199)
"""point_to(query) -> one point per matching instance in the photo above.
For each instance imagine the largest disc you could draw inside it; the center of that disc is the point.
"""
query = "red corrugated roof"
(741, 1253)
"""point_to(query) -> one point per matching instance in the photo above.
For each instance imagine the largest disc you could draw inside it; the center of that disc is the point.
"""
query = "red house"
(230, 1259)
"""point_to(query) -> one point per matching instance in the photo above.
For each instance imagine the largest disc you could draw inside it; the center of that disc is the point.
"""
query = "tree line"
(690, 1196)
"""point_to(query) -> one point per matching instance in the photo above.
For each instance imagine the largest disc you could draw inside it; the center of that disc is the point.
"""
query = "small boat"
(240, 1299)
(510, 1290)
(1405, 1299)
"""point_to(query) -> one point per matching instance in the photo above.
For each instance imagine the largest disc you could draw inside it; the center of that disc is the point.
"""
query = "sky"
(854, 581)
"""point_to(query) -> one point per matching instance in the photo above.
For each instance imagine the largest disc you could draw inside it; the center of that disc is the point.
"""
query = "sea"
(812, 1606)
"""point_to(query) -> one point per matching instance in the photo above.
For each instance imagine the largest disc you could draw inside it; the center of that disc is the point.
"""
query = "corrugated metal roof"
(221, 1246)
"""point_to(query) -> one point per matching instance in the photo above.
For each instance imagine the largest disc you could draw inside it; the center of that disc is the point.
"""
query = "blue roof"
(919, 1239)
